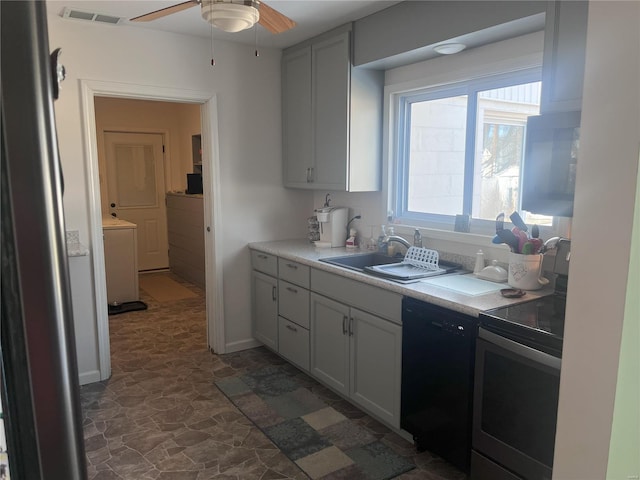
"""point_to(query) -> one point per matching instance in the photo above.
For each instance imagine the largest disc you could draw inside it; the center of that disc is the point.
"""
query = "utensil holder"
(525, 272)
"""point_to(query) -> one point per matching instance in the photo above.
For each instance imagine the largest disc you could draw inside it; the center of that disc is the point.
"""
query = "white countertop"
(113, 222)
(306, 253)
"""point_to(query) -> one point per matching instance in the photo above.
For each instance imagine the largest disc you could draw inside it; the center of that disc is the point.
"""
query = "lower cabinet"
(293, 343)
(357, 354)
(265, 309)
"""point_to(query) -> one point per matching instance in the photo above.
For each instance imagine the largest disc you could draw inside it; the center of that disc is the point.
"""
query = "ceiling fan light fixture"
(230, 17)
(449, 48)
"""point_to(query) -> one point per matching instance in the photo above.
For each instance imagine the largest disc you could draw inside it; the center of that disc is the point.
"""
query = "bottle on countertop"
(351, 241)
(417, 239)
(479, 262)
(382, 245)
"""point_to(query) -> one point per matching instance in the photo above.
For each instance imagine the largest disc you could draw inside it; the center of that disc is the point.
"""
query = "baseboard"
(89, 377)
(242, 345)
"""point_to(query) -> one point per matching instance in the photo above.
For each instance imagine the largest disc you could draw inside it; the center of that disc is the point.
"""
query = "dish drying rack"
(422, 257)
(418, 263)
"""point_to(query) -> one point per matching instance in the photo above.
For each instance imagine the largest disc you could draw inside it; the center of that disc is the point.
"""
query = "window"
(460, 148)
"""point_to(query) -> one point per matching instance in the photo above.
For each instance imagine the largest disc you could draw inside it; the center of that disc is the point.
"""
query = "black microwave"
(550, 160)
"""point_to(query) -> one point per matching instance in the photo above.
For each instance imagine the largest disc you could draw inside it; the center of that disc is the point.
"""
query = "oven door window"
(516, 408)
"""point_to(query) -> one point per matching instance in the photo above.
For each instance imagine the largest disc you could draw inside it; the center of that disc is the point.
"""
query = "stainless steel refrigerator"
(39, 378)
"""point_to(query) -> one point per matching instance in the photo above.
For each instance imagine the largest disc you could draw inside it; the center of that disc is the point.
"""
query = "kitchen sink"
(391, 268)
(359, 262)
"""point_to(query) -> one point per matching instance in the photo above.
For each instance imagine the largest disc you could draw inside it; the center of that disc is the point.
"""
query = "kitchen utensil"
(509, 238)
(527, 248)
(500, 222)
(537, 245)
(535, 231)
(497, 240)
(516, 219)
(521, 236)
(525, 272)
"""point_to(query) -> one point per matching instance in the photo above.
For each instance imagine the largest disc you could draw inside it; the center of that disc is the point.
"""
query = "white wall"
(254, 205)
(604, 203)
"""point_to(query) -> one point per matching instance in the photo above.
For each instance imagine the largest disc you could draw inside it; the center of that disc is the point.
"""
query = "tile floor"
(160, 416)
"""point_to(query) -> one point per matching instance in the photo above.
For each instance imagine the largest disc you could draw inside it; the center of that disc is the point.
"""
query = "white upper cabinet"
(332, 117)
(565, 39)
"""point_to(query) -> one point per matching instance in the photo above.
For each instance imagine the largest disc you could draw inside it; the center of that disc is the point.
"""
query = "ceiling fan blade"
(163, 12)
(273, 20)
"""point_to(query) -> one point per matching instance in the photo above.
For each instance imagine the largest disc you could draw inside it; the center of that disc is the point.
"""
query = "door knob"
(113, 205)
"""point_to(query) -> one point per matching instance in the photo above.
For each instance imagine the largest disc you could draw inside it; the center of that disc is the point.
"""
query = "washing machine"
(121, 260)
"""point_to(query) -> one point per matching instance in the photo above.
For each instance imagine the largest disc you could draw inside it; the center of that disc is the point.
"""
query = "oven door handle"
(519, 349)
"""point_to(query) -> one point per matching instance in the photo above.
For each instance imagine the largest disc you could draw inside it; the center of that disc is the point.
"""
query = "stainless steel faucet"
(395, 238)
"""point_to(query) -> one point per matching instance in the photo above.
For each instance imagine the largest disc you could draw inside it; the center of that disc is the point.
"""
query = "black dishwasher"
(438, 347)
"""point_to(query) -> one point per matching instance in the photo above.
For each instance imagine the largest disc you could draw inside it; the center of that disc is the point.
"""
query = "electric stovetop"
(538, 323)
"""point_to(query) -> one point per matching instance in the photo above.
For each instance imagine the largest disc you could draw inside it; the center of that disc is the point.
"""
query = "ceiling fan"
(229, 15)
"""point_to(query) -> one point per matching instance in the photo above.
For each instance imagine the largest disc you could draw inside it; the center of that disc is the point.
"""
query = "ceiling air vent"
(92, 17)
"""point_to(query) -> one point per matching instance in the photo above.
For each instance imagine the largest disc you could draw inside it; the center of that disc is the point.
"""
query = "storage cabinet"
(332, 117)
(293, 311)
(564, 54)
(280, 306)
(185, 227)
(264, 289)
(357, 354)
(345, 333)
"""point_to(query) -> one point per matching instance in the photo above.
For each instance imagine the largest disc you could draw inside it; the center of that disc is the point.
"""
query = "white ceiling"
(312, 16)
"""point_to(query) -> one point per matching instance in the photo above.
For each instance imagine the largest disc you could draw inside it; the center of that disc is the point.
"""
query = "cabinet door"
(376, 362)
(293, 303)
(331, 70)
(296, 118)
(330, 342)
(293, 343)
(565, 39)
(265, 309)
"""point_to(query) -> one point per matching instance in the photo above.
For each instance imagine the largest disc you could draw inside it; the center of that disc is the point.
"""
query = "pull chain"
(213, 61)
(255, 31)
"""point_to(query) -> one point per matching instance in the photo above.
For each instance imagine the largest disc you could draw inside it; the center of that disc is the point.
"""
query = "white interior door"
(136, 192)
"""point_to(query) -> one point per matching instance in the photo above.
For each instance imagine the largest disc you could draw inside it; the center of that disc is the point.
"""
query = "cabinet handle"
(291, 265)
(262, 256)
(345, 319)
(351, 327)
(273, 293)
(292, 290)
(293, 329)
(311, 176)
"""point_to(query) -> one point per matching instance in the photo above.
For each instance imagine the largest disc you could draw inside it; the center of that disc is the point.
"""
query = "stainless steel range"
(517, 379)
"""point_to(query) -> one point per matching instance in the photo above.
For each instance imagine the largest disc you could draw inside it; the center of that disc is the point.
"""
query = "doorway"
(211, 187)
(135, 192)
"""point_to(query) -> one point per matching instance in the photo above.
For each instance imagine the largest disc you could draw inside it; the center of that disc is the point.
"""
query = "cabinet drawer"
(365, 297)
(294, 272)
(293, 343)
(293, 303)
(264, 262)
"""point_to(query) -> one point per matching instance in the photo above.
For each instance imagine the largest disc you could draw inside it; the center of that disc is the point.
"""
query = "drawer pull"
(292, 290)
(291, 265)
(293, 329)
(351, 327)
(262, 256)
(273, 293)
(345, 319)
